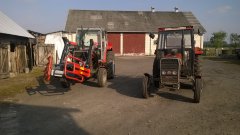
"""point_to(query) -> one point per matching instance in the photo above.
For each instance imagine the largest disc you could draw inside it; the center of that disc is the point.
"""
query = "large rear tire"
(102, 77)
(110, 65)
(197, 90)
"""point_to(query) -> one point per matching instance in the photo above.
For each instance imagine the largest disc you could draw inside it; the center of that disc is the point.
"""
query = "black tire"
(145, 85)
(197, 90)
(156, 72)
(110, 65)
(102, 77)
(65, 83)
(197, 68)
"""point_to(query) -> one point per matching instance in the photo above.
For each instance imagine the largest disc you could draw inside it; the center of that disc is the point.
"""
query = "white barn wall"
(70, 36)
(199, 40)
(149, 44)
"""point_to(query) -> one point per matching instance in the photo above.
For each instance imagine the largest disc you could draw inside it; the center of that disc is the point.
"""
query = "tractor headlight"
(164, 72)
(174, 72)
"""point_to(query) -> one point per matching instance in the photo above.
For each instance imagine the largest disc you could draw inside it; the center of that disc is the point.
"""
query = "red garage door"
(114, 38)
(133, 43)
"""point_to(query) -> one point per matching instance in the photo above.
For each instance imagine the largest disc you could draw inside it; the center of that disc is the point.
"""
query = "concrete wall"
(199, 40)
(70, 36)
(150, 46)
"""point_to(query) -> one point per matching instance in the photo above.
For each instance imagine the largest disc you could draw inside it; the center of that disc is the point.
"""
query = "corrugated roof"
(8, 26)
(128, 21)
(194, 21)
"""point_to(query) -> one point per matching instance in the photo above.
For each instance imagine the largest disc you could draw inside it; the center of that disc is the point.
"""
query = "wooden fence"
(13, 60)
(42, 52)
(18, 59)
(4, 61)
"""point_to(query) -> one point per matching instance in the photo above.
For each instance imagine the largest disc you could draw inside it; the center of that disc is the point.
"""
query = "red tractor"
(176, 61)
(91, 56)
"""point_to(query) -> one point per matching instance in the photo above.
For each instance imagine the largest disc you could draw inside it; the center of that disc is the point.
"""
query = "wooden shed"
(15, 48)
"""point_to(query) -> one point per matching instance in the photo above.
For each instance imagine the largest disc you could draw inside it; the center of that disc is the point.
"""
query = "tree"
(234, 39)
(218, 39)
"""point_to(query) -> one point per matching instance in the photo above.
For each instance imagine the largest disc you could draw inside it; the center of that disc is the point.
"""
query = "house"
(55, 39)
(15, 48)
(128, 30)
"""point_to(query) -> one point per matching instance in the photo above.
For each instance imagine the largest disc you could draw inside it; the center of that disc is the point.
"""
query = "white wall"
(70, 36)
(150, 47)
(199, 40)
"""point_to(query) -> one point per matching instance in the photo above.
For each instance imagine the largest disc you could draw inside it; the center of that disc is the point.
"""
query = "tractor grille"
(169, 79)
(169, 70)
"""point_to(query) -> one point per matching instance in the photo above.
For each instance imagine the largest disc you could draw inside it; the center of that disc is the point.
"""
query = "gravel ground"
(120, 109)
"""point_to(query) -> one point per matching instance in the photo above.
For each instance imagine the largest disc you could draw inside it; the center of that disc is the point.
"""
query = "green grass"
(11, 86)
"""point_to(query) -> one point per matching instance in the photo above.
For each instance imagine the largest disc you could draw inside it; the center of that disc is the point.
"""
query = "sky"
(46, 16)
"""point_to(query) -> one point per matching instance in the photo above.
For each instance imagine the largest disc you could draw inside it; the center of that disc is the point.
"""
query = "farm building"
(128, 30)
(15, 48)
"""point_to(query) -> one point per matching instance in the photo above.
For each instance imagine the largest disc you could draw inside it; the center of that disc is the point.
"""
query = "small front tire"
(65, 83)
(145, 85)
(102, 77)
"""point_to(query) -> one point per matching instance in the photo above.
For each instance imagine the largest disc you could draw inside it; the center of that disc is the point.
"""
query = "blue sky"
(50, 15)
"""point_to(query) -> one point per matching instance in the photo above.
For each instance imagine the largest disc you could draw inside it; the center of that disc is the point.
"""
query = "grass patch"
(11, 86)
(229, 60)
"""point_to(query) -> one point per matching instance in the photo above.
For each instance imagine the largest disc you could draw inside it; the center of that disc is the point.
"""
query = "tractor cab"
(176, 43)
(97, 35)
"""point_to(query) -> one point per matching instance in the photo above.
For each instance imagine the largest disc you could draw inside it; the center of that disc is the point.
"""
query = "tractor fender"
(109, 46)
(198, 51)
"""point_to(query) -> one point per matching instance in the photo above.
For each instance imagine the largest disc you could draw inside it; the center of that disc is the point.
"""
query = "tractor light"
(81, 68)
(169, 72)
(163, 72)
(174, 72)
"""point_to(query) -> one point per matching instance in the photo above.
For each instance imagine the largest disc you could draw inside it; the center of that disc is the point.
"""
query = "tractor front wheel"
(65, 83)
(146, 84)
(197, 90)
(102, 77)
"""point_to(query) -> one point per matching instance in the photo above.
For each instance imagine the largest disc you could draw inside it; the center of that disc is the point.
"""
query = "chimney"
(152, 9)
(176, 9)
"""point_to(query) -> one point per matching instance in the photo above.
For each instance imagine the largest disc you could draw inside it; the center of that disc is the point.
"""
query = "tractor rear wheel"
(156, 72)
(110, 65)
(198, 81)
(146, 84)
(102, 77)
(197, 67)
(197, 90)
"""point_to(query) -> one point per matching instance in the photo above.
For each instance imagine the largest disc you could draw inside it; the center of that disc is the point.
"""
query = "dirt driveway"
(120, 109)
